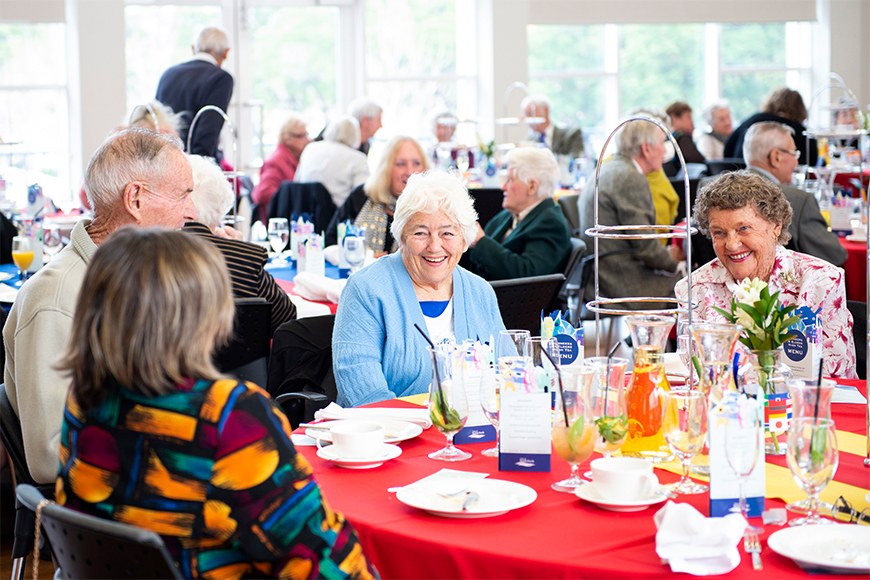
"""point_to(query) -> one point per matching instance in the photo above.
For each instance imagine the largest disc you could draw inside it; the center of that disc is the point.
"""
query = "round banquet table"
(856, 270)
(558, 536)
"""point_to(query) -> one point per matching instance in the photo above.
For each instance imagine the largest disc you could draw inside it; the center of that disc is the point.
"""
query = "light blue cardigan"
(377, 354)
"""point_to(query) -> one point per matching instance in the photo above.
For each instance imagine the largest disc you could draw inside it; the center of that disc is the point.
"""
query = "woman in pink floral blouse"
(747, 218)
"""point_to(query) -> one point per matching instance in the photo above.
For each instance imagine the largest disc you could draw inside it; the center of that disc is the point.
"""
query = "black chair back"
(680, 187)
(522, 300)
(13, 441)
(300, 368)
(717, 166)
(293, 199)
(89, 547)
(487, 203)
(568, 203)
(567, 298)
(247, 355)
(859, 334)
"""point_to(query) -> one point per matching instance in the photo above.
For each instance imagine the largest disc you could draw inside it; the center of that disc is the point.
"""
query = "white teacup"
(624, 478)
(356, 439)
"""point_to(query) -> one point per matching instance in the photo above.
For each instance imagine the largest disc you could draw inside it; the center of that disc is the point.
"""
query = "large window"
(596, 74)
(34, 115)
(420, 61)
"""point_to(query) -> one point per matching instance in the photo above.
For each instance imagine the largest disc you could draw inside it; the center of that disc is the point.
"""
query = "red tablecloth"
(288, 286)
(558, 536)
(856, 270)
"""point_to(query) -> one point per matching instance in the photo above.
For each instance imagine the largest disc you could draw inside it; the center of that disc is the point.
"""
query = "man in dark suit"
(769, 150)
(560, 139)
(192, 85)
(530, 236)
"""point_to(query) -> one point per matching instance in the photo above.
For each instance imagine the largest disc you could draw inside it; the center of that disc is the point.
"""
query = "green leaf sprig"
(764, 319)
(612, 429)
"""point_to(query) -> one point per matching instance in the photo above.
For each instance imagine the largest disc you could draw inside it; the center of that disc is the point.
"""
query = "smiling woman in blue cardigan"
(377, 352)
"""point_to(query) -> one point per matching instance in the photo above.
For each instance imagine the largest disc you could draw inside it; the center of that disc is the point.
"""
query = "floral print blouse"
(802, 280)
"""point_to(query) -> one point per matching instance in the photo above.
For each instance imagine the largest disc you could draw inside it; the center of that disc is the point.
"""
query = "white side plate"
(394, 431)
(838, 547)
(495, 497)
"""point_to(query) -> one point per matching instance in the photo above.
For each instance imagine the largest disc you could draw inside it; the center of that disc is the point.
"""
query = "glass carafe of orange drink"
(648, 382)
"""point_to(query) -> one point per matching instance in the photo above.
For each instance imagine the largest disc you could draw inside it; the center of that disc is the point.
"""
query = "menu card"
(525, 418)
(475, 355)
(724, 486)
(803, 353)
(311, 258)
(570, 339)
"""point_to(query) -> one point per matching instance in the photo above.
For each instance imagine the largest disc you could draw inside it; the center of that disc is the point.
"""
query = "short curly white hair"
(433, 191)
(212, 194)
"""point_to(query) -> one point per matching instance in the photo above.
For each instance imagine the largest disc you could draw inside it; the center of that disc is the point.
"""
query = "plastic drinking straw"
(735, 366)
(559, 378)
(607, 376)
(818, 387)
(437, 375)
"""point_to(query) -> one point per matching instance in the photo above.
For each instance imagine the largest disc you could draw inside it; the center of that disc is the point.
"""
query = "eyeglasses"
(844, 512)
(298, 135)
(796, 153)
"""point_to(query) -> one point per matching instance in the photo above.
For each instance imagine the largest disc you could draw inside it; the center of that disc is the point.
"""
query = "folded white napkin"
(313, 287)
(306, 309)
(695, 544)
(335, 411)
(330, 254)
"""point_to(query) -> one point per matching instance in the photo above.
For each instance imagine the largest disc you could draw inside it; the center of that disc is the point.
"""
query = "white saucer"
(5, 276)
(854, 238)
(589, 492)
(394, 431)
(8, 293)
(387, 452)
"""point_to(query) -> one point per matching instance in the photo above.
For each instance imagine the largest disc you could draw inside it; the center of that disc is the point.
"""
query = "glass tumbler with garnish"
(448, 405)
(573, 430)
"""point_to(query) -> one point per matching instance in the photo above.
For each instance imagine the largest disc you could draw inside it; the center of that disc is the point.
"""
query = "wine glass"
(510, 346)
(354, 251)
(812, 457)
(803, 396)
(743, 437)
(279, 234)
(51, 240)
(684, 425)
(607, 397)
(448, 406)
(573, 432)
(489, 402)
(462, 160)
(22, 255)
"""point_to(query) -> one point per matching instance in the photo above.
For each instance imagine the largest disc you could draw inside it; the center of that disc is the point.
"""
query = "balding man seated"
(136, 177)
(769, 150)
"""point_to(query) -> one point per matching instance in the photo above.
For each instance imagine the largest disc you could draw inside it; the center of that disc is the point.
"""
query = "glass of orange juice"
(22, 255)
(573, 430)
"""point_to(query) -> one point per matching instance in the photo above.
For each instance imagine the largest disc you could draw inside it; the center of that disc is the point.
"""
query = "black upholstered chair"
(522, 300)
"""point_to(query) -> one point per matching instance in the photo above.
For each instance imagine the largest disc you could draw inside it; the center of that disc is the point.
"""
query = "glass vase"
(765, 377)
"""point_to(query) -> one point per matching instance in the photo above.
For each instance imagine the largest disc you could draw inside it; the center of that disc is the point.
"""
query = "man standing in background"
(190, 86)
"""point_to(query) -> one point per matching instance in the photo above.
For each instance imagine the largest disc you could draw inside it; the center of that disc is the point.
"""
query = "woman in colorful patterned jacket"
(747, 217)
(154, 436)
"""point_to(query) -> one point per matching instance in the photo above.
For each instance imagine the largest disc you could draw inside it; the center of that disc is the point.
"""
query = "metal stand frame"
(235, 173)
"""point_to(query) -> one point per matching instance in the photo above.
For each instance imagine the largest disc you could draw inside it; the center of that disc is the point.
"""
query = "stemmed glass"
(448, 405)
(803, 396)
(813, 458)
(573, 431)
(354, 251)
(462, 161)
(489, 402)
(279, 234)
(684, 425)
(22, 255)
(51, 240)
(743, 437)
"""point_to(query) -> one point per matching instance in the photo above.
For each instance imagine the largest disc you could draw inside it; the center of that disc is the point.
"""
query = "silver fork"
(753, 546)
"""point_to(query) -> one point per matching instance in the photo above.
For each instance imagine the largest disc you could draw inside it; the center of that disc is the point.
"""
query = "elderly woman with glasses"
(154, 436)
(530, 236)
(747, 217)
(378, 353)
(282, 163)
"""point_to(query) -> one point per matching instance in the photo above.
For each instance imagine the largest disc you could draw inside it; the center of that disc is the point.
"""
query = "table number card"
(724, 486)
(525, 418)
(477, 427)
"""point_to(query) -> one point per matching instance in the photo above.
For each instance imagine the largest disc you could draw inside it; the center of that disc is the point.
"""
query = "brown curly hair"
(738, 189)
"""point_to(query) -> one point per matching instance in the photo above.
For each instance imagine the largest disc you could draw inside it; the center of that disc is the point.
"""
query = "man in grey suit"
(630, 267)
(560, 139)
(769, 150)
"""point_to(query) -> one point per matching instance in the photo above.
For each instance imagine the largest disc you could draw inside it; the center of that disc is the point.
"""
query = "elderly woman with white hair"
(630, 268)
(530, 236)
(213, 197)
(377, 352)
(718, 116)
(335, 161)
(283, 162)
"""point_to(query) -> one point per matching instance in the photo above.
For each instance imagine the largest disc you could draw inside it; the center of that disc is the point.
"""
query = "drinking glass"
(279, 234)
(573, 431)
(489, 402)
(448, 406)
(510, 346)
(684, 425)
(743, 432)
(607, 398)
(22, 255)
(803, 396)
(462, 160)
(354, 251)
(544, 370)
(812, 457)
(51, 240)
